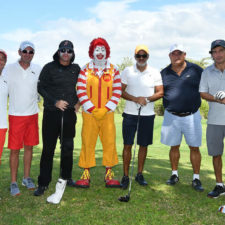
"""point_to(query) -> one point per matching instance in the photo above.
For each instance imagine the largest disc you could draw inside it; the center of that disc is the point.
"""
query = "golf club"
(126, 198)
(61, 136)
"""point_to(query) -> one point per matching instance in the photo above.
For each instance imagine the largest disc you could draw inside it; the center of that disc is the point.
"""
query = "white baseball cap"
(178, 47)
(26, 44)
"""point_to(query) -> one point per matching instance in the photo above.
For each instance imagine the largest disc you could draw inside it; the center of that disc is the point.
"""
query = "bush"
(158, 108)
(204, 109)
(120, 106)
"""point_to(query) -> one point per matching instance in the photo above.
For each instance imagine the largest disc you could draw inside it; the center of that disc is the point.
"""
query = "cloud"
(195, 25)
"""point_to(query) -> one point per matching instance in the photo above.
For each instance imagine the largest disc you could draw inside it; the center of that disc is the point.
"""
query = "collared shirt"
(140, 84)
(212, 81)
(181, 92)
(3, 102)
(22, 88)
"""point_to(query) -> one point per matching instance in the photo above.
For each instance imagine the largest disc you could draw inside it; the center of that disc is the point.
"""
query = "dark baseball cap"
(66, 44)
(217, 43)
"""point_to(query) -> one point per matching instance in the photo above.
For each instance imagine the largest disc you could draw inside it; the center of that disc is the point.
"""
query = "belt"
(183, 114)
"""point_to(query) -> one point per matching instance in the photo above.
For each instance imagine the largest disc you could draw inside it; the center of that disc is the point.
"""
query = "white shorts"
(174, 127)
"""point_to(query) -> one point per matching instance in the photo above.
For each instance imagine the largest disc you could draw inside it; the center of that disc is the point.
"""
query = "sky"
(123, 23)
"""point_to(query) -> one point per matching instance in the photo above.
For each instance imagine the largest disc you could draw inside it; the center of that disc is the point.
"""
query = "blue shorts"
(145, 130)
(174, 127)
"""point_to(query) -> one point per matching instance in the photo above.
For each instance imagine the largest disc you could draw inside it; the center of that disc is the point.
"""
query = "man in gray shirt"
(212, 89)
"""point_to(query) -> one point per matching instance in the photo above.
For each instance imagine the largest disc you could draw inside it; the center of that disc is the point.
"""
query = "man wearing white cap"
(22, 78)
(141, 86)
(182, 117)
(3, 102)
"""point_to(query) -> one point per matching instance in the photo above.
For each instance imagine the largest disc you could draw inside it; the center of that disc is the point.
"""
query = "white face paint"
(99, 55)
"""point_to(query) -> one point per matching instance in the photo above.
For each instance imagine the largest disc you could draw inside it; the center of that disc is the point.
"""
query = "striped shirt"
(85, 101)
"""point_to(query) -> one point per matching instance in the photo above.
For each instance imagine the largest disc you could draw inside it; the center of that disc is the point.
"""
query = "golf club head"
(125, 198)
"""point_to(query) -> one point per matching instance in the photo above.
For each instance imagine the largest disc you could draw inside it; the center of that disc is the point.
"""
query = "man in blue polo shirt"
(182, 117)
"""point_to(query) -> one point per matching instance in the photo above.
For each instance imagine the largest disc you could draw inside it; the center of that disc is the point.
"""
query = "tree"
(127, 61)
(204, 62)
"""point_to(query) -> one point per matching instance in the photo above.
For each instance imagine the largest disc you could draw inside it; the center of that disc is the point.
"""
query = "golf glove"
(219, 95)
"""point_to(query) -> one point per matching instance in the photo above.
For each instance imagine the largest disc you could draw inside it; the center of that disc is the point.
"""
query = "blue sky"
(123, 23)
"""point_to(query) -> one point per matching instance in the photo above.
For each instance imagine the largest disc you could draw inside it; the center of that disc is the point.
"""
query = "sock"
(220, 184)
(175, 172)
(195, 176)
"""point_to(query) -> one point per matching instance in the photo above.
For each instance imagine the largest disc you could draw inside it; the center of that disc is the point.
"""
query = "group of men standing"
(99, 88)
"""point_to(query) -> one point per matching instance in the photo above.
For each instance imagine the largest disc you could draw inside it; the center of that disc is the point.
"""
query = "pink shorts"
(23, 130)
(2, 140)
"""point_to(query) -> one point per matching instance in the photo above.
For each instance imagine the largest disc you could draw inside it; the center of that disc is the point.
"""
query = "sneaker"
(40, 190)
(84, 181)
(70, 182)
(173, 180)
(140, 179)
(197, 185)
(109, 181)
(125, 182)
(217, 191)
(14, 190)
(28, 182)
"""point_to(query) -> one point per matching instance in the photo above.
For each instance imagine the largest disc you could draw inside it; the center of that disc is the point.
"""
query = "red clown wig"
(101, 42)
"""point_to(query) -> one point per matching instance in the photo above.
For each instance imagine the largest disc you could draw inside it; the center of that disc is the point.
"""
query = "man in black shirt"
(57, 85)
(181, 102)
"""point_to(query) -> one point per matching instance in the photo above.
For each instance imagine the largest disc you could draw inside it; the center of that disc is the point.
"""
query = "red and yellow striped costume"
(98, 91)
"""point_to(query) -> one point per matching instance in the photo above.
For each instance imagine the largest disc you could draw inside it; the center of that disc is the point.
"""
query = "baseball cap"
(66, 44)
(217, 43)
(4, 53)
(141, 47)
(178, 47)
(26, 44)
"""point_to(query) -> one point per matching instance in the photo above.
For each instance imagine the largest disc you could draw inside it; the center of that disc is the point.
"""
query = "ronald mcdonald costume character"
(99, 90)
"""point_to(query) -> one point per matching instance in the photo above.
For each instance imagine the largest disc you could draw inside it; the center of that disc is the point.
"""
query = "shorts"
(214, 137)
(145, 130)
(2, 139)
(23, 130)
(174, 127)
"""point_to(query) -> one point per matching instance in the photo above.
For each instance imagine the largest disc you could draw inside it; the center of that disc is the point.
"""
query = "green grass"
(155, 204)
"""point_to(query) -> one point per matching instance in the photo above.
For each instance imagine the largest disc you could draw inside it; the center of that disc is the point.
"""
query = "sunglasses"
(138, 56)
(68, 51)
(28, 52)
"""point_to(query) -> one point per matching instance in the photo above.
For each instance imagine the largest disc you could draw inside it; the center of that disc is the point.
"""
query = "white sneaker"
(59, 190)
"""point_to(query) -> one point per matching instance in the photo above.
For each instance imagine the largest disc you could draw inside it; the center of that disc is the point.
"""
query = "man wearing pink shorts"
(22, 78)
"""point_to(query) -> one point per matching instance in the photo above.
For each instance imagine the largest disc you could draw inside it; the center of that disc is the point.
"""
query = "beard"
(142, 64)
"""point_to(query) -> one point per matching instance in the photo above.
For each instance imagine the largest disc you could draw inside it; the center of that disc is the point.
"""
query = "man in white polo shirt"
(22, 78)
(141, 86)
(3, 102)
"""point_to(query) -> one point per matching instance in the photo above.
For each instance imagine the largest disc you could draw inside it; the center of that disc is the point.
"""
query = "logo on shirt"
(33, 72)
(106, 77)
(188, 76)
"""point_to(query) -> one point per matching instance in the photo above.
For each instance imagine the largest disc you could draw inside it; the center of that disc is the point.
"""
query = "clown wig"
(100, 42)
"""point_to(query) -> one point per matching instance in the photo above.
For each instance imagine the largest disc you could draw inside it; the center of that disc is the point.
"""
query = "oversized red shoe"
(84, 181)
(109, 181)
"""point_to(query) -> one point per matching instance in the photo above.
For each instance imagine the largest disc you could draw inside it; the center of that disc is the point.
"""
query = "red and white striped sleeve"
(116, 91)
(82, 91)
